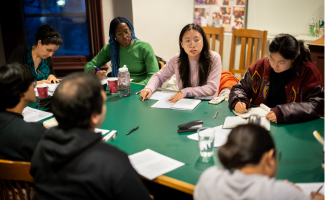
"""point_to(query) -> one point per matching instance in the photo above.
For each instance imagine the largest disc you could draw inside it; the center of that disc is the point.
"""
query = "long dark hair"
(205, 61)
(290, 48)
(48, 35)
(246, 145)
(114, 45)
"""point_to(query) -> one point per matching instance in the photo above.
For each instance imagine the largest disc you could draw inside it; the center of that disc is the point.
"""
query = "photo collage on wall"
(227, 13)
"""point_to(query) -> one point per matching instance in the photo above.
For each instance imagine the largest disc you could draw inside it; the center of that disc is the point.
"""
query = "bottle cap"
(123, 69)
(312, 20)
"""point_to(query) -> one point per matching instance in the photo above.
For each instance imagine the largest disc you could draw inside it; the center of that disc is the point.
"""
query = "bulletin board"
(227, 13)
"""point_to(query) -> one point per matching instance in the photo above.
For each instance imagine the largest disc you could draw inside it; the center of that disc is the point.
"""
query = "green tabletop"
(302, 154)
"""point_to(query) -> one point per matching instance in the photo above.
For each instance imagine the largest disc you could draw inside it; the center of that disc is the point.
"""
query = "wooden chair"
(12, 175)
(214, 31)
(250, 58)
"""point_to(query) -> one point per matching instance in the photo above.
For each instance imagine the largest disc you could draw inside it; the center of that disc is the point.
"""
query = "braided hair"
(48, 35)
(114, 45)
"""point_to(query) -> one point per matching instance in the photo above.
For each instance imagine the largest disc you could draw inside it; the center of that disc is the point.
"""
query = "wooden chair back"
(251, 53)
(14, 175)
(214, 32)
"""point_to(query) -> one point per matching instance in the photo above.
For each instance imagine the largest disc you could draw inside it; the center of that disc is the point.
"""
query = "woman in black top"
(38, 57)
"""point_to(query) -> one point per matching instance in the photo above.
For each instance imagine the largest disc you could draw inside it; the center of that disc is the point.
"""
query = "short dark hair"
(48, 35)
(15, 79)
(246, 145)
(76, 99)
(290, 48)
(205, 60)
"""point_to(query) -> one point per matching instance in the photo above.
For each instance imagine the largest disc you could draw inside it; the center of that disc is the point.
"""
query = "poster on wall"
(227, 13)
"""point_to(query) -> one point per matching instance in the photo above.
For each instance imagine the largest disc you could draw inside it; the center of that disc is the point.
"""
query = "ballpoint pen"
(132, 130)
(215, 115)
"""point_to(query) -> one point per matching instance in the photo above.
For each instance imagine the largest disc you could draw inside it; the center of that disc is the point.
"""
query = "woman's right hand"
(101, 74)
(146, 93)
(240, 107)
(43, 81)
(318, 196)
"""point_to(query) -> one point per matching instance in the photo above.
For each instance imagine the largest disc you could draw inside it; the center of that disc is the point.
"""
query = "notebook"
(261, 111)
(232, 122)
(183, 104)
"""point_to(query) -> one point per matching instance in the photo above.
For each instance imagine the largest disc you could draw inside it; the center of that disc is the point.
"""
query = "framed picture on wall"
(227, 13)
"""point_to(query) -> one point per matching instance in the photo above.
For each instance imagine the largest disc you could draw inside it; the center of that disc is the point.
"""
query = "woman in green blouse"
(125, 49)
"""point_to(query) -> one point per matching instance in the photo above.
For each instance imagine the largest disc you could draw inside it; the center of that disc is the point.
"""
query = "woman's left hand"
(53, 78)
(176, 97)
(271, 116)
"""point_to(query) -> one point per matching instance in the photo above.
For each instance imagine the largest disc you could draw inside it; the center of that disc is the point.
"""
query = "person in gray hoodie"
(250, 164)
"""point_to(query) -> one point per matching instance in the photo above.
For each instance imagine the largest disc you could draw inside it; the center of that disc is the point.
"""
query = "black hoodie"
(75, 164)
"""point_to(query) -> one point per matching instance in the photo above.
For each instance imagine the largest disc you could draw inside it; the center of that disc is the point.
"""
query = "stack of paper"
(151, 164)
(182, 104)
(220, 138)
(34, 115)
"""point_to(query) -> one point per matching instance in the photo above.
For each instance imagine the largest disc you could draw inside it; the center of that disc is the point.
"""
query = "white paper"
(162, 95)
(307, 188)
(232, 122)
(186, 104)
(151, 164)
(260, 111)
(50, 123)
(102, 131)
(220, 136)
(34, 115)
(162, 104)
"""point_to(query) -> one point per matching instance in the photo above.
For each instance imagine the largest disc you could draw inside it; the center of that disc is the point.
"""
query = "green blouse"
(138, 57)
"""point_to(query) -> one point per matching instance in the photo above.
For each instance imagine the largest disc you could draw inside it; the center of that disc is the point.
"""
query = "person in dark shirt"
(18, 138)
(71, 161)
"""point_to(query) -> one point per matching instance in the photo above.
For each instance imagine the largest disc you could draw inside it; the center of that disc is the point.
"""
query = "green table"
(301, 159)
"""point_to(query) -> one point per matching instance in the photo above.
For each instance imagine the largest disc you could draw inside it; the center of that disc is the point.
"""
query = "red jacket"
(304, 92)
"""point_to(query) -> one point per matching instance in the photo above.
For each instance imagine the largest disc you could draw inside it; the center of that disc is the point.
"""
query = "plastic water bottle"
(124, 82)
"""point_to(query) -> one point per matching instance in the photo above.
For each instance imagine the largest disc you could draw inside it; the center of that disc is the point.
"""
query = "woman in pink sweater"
(197, 69)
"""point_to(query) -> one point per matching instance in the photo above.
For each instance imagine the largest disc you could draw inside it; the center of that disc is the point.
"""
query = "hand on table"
(53, 78)
(318, 196)
(145, 93)
(271, 116)
(43, 81)
(240, 107)
(101, 74)
(179, 95)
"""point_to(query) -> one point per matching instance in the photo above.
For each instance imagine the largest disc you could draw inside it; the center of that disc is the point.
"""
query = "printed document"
(34, 115)
(151, 164)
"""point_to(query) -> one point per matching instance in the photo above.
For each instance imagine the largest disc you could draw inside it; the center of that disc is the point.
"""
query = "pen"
(138, 93)
(97, 68)
(132, 130)
(215, 115)
(113, 137)
(317, 191)
(318, 137)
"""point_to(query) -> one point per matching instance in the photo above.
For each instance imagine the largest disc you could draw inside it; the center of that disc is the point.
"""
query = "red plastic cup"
(112, 85)
(43, 92)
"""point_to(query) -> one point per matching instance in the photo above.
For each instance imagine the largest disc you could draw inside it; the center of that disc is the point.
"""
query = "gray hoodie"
(217, 183)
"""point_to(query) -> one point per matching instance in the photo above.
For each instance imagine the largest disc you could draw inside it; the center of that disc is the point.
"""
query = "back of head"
(15, 79)
(246, 145)
(76, 99)
(290, 48)
(48, 35)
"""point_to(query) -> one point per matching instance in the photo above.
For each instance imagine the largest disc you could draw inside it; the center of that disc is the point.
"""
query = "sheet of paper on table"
(151, 164)
(307, 188)
(34, 115)
(220, 136)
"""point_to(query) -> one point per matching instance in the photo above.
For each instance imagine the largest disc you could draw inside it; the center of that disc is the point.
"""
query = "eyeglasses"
(188, 43)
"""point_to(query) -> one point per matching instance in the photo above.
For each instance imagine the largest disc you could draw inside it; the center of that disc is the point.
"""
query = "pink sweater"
(210, 89)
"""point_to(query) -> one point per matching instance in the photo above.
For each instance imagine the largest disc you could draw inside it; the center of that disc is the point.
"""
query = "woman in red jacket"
(286, 81)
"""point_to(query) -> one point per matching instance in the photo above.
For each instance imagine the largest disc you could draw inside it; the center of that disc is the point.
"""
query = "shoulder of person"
(310, 69)
(21, 48)
(214, 54)
(143, 45)
(258, 65)
(111, 152)
(212, 173)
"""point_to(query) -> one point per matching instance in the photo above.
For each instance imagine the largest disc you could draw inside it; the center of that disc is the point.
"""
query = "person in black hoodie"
(18, 138)
(71, 161)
